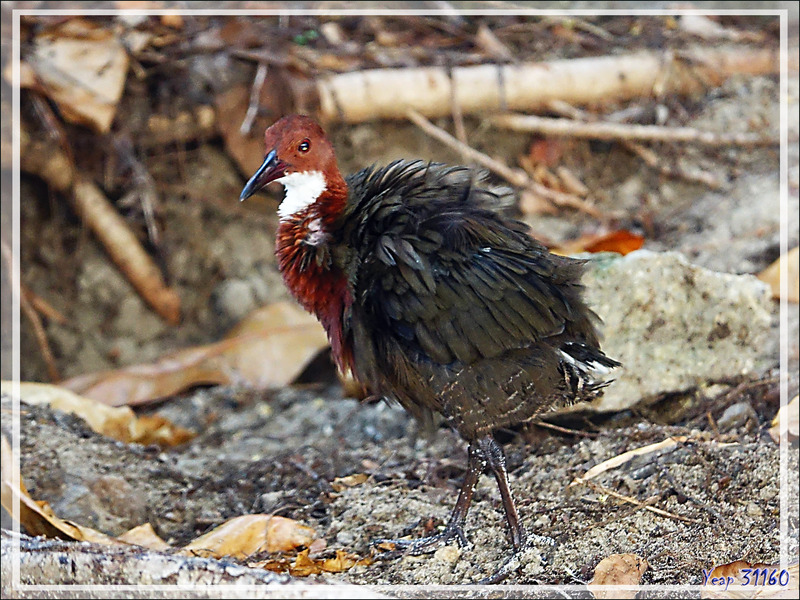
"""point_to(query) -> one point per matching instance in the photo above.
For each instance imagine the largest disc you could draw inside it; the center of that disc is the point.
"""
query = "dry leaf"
(249, 534)
(772, 276)
(37, 517)
(82, 67)
(617, 570)
(304, 565)
(621, 459)
(620, 241)
(118, 423)
(269, 348)
(144, 536)
(741, 579)
(547, 152)
(353, 480)
(786, 421)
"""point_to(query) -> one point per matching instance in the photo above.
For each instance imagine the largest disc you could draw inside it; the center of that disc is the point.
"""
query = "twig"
(560, 429)
(651, 159)
(604, 490)
(679, 488)
(626, 131)
(649, 502)
(43, 307)
(516, 177)
(124, 249)
(621, 459)
(255, 94)
(36, 322)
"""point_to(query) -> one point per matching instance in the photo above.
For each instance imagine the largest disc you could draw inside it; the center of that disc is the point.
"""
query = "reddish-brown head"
(298, 155)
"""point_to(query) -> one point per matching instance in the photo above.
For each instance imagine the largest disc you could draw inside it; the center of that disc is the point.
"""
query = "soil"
(279, 451)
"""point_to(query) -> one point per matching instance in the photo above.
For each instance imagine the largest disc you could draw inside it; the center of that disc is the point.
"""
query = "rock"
(675, 325)
(737, 415)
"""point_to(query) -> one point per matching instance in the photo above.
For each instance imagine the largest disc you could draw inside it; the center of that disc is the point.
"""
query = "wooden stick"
(624, 131)
(38, 329)
(651, 159)
(604, 490)
(372, 94)
(124, 249)
(515, 177)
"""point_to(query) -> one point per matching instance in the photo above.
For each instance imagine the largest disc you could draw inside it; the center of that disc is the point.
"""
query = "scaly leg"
(455, 526)
(520, 540)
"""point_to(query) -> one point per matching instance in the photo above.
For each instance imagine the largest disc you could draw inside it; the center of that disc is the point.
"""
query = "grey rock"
(737, 415)
(675, 325)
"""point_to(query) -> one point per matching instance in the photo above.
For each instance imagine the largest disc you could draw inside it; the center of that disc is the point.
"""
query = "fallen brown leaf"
(772, 275)
(36, 516)
(620, 241)
(244, 536)
(118, 423)
(269, 348)
(786, 422)
(82, 67)
(617, 570)
(303, 565)
(340, 483)
(742, 579)
(144, 536)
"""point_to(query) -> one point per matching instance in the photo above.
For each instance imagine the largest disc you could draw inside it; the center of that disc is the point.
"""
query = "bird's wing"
(467, 286)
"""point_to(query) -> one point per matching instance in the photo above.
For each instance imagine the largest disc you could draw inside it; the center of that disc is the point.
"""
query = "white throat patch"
(302, 190)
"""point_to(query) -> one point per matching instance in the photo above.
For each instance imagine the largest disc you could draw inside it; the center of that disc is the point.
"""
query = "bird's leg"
(455, 526)
(520, 540)
(497, 463)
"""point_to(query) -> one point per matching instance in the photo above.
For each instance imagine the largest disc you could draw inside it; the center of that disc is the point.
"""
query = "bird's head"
(299, 156)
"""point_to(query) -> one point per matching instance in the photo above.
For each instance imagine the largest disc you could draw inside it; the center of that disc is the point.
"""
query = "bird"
(431, 296)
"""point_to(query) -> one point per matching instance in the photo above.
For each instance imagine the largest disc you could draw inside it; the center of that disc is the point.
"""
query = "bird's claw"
(425, 545)
(542, 544)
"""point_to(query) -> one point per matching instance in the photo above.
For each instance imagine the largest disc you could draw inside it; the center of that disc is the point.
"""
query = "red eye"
(304, 146)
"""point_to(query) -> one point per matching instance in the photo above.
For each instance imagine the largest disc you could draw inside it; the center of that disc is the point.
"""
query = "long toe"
(533, 554)
(424, 545)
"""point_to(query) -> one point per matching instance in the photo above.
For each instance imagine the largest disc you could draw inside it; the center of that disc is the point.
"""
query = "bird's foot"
(424, 545)
(534, 547)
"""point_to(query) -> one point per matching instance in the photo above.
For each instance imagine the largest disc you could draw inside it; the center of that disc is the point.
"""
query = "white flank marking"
(595, 368)
(302, 190)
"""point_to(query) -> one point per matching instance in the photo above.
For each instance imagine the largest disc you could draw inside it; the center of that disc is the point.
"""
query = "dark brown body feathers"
(455, 308)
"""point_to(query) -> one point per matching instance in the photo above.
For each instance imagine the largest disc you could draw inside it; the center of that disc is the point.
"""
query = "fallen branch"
(652, 160)
(515, 177)
(390, 93)
(626, 131)
(604, 490)
(30, 313)
(124, 249)
(106, 223)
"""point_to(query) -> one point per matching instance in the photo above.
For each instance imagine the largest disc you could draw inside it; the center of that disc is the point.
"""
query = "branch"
(390, 93)
(515, 177)
(624, 131)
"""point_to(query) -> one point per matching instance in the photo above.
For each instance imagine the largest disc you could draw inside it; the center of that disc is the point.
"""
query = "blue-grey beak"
(271, 169)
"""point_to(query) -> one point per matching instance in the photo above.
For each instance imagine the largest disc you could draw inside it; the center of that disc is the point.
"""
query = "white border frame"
(354, 590)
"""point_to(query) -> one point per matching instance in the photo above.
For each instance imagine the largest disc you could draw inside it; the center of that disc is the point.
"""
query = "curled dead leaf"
(303, 565)
(772, 275)
(340, 483)
(82, 67)
(246, 535)
(36, 516)
(145, 536)
(269, 348)
(620, 241)
(118, 423)
(617, 570)
(786, 422)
